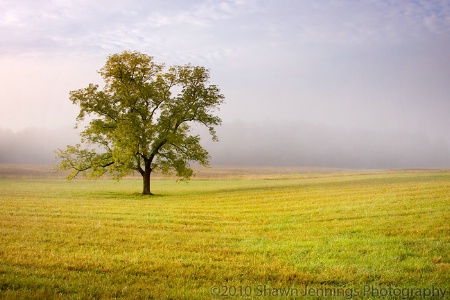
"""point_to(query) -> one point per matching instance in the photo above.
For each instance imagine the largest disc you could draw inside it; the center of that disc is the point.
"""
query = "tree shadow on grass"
(119, 195)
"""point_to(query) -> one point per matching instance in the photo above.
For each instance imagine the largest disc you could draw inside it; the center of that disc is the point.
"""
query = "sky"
(333, 83)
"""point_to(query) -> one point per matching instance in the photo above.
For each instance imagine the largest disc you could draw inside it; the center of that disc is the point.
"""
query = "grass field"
(267, 235)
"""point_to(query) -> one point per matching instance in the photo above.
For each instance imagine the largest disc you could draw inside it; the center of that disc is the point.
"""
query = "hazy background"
(354, 84)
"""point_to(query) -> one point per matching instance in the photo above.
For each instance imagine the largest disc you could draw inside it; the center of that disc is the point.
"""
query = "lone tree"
(141, 120)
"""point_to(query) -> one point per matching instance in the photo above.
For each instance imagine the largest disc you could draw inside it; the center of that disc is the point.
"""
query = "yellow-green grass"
(236, 237)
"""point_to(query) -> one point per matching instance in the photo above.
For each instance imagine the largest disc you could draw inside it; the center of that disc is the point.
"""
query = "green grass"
(342, 231)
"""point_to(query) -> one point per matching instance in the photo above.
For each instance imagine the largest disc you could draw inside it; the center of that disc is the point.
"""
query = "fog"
(33, 145)
(304, 144)
(278, 144)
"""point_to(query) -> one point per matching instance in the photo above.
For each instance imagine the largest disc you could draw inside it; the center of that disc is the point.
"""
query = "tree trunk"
(146, 179)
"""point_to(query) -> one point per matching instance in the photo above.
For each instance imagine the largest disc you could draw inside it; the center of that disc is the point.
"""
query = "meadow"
(229, 234)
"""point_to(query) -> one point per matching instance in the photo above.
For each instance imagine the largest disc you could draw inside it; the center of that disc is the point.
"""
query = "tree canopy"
(142, 119)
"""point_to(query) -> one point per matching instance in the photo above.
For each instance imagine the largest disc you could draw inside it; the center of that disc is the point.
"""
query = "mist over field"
(278, 144)
(304, 144)
(32, 145)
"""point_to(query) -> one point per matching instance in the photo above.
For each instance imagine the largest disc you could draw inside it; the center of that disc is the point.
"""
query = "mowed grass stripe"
(101, 239)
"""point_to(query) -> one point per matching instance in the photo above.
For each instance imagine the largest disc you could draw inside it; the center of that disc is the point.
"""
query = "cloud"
(199, 27)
